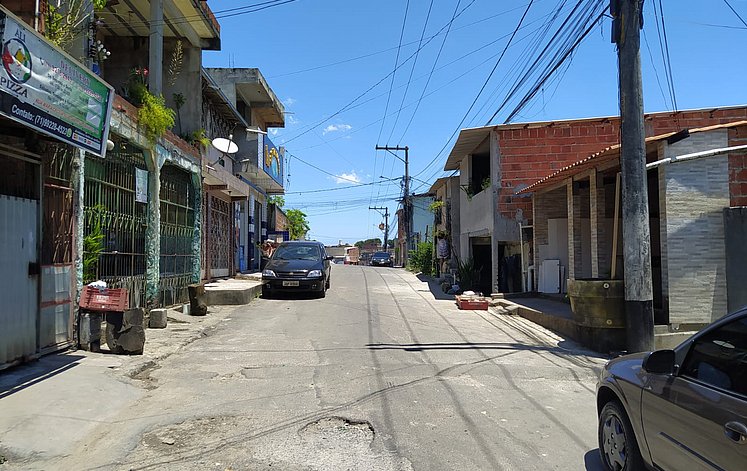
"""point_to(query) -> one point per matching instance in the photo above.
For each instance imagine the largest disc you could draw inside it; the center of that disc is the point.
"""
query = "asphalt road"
(379, 375)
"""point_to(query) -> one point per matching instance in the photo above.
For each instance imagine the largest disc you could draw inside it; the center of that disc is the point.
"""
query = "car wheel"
(617, 443)
(323, 292)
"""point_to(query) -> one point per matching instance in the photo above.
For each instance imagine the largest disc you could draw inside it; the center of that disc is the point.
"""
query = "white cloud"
(291, 119)
(289, 101)
(274, 132)
(348, 178)
(337, 127)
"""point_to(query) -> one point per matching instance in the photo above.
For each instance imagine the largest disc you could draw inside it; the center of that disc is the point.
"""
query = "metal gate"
(219, 247)
(177, 232)
(116, 220)
(57, 271)
(19, 254)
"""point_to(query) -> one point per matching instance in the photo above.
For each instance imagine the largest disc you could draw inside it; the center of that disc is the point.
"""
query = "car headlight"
(269, 274)
(314, 274)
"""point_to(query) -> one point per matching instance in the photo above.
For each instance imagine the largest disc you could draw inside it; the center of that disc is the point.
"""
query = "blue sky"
(321, 55)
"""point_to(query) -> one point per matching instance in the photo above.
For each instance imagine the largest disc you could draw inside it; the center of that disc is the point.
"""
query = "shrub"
(154, 116)
(421, 259)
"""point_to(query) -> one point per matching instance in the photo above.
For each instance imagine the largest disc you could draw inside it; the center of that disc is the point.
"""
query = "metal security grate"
(177, 232)
(219, 245)
(109, 197)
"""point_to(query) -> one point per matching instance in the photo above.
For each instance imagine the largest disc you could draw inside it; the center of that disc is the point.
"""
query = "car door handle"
(736, 431)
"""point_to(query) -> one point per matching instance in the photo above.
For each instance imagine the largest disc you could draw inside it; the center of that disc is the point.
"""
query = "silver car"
(681, 409)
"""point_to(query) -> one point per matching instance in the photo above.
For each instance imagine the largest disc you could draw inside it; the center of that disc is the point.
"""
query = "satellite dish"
(226, 146)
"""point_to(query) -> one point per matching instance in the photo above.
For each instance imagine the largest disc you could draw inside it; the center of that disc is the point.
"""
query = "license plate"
(290, 283)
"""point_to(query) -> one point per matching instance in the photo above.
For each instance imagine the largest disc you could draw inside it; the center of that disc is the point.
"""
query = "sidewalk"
(64, 396)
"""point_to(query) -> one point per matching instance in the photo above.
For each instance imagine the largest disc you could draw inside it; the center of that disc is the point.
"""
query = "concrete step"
(670, 340)
(232, 292)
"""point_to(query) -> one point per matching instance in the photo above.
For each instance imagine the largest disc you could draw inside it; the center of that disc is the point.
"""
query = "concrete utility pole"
(386, 224)
(639, 308)
(155, 57)
(406, 198)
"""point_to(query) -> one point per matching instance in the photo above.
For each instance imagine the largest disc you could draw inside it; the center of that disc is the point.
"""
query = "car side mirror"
(660, 362)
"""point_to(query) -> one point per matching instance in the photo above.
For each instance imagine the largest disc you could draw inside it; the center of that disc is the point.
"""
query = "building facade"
(496, 162)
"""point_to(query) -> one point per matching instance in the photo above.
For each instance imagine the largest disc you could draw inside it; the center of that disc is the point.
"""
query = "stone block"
(89, 331)
(158, 319)
(125, 333)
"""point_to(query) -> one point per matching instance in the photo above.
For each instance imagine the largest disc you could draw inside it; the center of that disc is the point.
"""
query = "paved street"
(379, 375)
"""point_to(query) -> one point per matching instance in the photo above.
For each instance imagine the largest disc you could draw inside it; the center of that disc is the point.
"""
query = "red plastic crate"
(471, 303)
(104, 300)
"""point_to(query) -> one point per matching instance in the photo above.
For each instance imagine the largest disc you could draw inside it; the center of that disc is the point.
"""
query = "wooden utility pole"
(406, 198)
(639, 308)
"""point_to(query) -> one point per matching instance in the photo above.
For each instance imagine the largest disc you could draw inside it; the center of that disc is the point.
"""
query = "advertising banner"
(273, 161)
(48, 91)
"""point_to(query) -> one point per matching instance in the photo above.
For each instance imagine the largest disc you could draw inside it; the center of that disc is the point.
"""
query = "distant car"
(381, 259)
(297, 266)
(678, 409)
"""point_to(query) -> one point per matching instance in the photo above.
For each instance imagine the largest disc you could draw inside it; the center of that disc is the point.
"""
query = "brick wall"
(531, 153)
(738, 168)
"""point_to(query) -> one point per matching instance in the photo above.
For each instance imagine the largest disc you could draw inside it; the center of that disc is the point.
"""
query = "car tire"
(326, 285)
(323, 292)
(618, 447)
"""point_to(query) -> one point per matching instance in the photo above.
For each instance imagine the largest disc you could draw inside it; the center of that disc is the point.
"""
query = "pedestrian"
(266, 250)
(442, 252)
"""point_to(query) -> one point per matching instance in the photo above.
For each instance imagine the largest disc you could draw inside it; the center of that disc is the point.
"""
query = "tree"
(362, 243)
(298, 225)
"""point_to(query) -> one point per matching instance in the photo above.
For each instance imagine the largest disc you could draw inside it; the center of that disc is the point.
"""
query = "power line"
(394, 72)
(485, 83)
(383, 51)
(664, 47)
(218, 14)
(735, 12)
(430, 75)
(412, 70)
(347, 106)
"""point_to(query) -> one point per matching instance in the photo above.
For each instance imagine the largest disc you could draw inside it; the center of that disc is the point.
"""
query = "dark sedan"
(681, 409)
(296, 267)
(381, 259)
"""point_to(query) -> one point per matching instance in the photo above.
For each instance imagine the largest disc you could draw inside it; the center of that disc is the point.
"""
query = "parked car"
(680, 409)
(297, 266)
(381, 259)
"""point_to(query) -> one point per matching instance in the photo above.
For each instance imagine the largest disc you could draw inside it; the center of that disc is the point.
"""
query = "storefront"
(43, 134)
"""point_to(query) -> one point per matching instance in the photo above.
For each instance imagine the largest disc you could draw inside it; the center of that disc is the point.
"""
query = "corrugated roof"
(610, 153)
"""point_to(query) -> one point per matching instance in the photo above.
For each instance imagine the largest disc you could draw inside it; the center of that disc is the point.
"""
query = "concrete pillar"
(571, 269)
(594, 221)
(155, 54)
(77, 181)
(495, 188)
(153, 230)
(197, 234)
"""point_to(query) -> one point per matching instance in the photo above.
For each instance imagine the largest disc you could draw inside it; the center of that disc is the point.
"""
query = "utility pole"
(639, 308)
(386, 225)
(406, 198)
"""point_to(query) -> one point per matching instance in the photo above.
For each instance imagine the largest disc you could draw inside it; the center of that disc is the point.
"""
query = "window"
(719, 358)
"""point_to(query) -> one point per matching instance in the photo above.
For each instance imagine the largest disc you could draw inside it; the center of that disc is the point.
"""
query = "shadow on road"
(421, 347)
(23, 376)
(435, 288)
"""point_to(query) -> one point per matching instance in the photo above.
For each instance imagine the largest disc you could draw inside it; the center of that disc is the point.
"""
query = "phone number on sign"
(52, 126)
